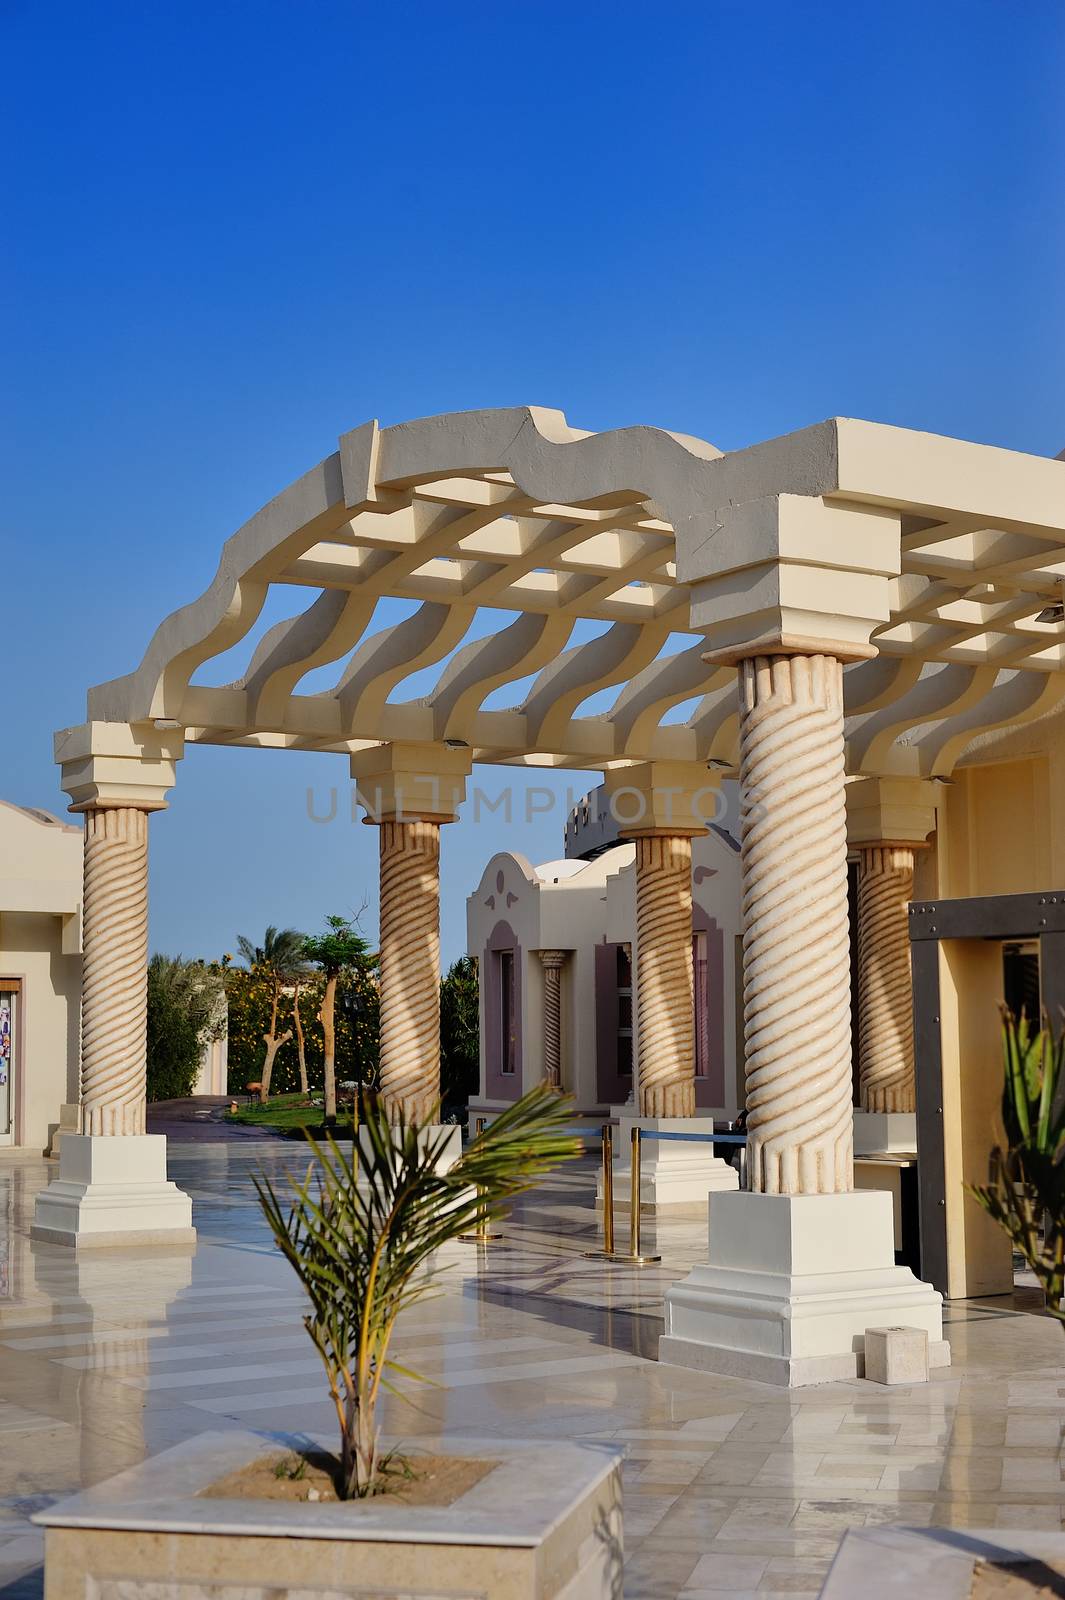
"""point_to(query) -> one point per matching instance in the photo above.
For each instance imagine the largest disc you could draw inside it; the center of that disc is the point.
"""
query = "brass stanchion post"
(608, 1196)
(608, 1189)
(635, 1252)
(633, 1256)
(634, 1194)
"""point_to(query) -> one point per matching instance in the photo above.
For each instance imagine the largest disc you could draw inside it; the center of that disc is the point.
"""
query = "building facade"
(40, 974)
(556, 946)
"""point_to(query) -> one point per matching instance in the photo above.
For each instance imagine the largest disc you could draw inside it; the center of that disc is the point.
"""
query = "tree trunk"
(300, 1046)
(273, 1045)
(274, 1041)
(329, 1048)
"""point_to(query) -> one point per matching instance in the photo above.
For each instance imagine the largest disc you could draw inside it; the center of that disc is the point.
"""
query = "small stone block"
(896, 1355)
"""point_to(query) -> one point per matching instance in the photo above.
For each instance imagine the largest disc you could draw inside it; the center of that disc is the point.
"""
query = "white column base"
(112, 1191)
(673, 1172)
(452, 1148)
(791, 1285)
(880, 1133)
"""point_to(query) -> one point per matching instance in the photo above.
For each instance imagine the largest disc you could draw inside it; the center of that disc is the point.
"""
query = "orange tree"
(356, 1030)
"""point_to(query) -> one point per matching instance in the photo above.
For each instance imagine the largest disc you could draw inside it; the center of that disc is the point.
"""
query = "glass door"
(8, 1065)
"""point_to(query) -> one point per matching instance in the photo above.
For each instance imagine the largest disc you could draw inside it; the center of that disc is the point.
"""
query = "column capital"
(662, 797)
(407, 782)
(555, 959)
(886, 811)
(791, 574)
(109, 764)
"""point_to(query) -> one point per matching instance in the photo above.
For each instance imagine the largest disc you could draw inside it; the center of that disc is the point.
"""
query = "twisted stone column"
(885, 988)
(410, 968)
(664, 985)
(796, 942)
(114, 971)
(552, 962)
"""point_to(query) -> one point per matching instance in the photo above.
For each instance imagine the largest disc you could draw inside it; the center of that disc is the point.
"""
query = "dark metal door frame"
(1000, 917)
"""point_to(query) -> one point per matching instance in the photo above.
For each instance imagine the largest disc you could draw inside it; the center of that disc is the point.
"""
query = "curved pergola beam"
(715, 723)
(870, 685)
(947, 692)
(1023, 698)
(623, 650)
(485, 665)
(384, 660)
(328, 630)
(643, 702)
(308, 511)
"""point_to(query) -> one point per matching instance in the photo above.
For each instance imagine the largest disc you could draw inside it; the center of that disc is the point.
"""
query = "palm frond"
(360, 1230)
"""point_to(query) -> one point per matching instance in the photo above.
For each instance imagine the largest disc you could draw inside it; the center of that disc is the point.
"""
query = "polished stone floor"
(728, 1485)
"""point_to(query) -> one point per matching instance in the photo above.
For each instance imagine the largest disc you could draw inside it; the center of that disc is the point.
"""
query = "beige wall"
(47, 1034)
(40, 943)
(999, 832)
(994, 833)
(979, 1258)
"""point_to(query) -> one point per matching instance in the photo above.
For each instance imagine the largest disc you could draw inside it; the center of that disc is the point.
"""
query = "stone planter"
(545, 1523)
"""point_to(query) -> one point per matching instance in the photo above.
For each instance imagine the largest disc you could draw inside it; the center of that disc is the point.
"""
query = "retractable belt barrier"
(634, 1255)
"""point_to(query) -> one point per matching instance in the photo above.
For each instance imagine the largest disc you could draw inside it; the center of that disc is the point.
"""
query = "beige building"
(40, 973)
(556, 946)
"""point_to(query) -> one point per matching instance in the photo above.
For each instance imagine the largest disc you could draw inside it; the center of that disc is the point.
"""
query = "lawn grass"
(291, 1115)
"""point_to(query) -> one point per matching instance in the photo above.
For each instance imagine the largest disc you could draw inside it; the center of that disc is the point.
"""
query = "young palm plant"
(1025, 1191)
(359, 1231)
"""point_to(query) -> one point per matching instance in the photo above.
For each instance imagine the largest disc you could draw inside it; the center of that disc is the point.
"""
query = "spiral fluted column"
(410, 968)
(114, 971)
(885, 988)
(552, 962)
(664, 985)
(796, 940)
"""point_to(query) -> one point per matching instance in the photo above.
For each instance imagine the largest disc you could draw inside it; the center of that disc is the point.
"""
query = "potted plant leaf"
(361, 1229)
(1025, 1191)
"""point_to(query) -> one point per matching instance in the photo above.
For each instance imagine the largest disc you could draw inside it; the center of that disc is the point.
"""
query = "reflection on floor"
(728, 1485)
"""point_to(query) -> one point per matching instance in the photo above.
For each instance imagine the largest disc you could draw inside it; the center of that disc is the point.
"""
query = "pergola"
(889, 598)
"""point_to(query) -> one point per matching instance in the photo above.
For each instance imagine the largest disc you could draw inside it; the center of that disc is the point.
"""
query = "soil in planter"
(417, 1480)
(1018, 1580)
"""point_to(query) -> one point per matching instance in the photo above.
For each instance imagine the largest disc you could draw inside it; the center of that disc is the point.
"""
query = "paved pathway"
(201, 1120)
(728, 1485)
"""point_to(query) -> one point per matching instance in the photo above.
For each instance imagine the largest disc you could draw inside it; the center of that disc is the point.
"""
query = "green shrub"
(185, 1011)
(459, 1032)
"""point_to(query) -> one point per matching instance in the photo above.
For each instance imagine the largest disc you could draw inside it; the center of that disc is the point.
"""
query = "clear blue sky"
(234, 230)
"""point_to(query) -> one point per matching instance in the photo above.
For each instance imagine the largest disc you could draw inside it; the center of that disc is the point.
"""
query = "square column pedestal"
(879, 1133)
(450, 1147)
(673, 1172)
(790, 1287)
(113, 1190)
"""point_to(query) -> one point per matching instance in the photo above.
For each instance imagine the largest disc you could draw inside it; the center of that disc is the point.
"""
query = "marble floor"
(728, 1485)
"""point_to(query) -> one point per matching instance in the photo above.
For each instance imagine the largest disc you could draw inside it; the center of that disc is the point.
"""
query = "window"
(702, 1005)
(624, 977)
(507, 1019)
(8, 999)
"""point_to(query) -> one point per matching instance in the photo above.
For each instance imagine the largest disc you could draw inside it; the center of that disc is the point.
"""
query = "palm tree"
(360, 1230)
(334, 952)
(279, 959)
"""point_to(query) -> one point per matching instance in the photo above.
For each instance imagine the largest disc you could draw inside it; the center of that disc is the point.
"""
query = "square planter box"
(545, 1523)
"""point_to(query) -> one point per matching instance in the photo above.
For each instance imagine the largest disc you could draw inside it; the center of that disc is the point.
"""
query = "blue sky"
(235, 230)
